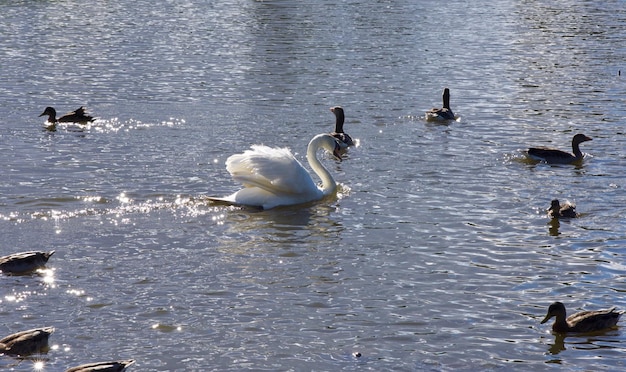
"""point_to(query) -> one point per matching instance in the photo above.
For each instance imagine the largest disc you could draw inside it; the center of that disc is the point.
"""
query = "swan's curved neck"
(328, 182)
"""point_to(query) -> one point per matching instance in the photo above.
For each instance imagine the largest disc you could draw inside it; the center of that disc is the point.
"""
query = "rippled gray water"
(436, 254)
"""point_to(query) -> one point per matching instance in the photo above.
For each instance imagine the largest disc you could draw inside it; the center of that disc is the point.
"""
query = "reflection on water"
(554, 225)
(558, 345)
(17, 290)
(591, 341)
(286, 228)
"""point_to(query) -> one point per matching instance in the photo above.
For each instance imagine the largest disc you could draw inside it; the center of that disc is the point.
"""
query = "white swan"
(273, 177)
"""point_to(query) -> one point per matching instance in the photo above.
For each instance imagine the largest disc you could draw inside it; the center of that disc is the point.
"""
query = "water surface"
(435, 255)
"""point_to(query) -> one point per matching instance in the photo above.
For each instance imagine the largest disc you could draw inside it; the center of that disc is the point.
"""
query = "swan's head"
(330, 144)
(338, 148)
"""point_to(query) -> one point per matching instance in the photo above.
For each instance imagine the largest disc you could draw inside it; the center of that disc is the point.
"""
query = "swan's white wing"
(275, 170)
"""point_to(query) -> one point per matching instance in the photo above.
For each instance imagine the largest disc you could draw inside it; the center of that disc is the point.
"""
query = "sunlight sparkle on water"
(48, 275)
(166, 328)
(122, 198)
(76, 292)
(180, 200)
(38, 365)
(93, 199)
(219, 219)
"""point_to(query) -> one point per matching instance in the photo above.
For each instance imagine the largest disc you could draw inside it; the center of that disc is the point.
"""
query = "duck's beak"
(42, 114)
(546, 318)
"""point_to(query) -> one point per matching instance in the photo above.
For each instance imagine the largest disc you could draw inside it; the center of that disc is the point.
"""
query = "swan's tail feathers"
(221, 201)
(224, 201)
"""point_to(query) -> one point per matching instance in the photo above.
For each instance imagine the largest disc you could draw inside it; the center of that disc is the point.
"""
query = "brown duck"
(26, 342)
(584, 321)
(24, 262)
(113, 366)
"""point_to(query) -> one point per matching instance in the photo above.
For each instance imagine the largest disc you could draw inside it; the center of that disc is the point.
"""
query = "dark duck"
(554, 156)
(24, 262)
(442, 114)
(78, 116)
(26, 342)
(111, 366)
(339, 133)
(584, 321)
(566, 210)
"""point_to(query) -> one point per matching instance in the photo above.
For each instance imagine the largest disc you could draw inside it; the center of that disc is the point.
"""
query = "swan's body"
(567, 210)
(113, 366)
(78, 116)
(584, 321)
(26, 342)
(339, 133)
(273, 177)
(25, 262)
(441, 114)
(553, 156)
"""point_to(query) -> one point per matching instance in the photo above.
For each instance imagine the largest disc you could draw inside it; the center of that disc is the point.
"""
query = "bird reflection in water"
(553, 227)
(558, 345)
(590, 340)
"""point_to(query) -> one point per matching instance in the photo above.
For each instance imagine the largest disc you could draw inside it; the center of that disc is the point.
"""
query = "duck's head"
(50, 111)
(556, 309)
(580, 138)
(338, 111)
(555, 205)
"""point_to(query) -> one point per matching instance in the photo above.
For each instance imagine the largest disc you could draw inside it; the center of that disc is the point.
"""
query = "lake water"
(436, 255)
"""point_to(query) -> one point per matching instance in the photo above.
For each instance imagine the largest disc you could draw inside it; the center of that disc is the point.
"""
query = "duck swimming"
(553, 156)
(444, 113)
(114, 366)
(26, 342)
(24, 262)
(339, 133)
(567, 210)
(77, 116)
(584, 321)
